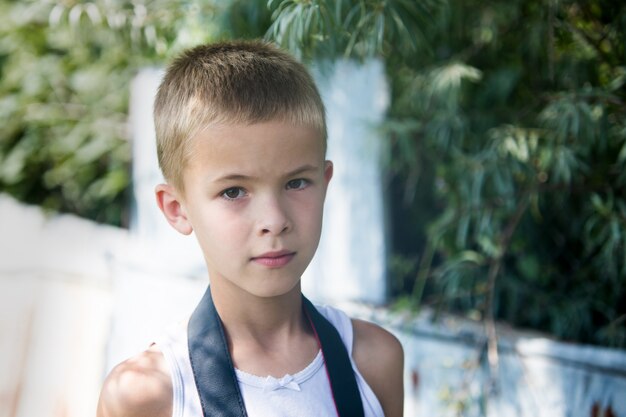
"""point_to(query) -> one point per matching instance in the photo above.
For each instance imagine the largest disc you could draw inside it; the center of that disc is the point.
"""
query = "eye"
(233, 193)
(297, 184)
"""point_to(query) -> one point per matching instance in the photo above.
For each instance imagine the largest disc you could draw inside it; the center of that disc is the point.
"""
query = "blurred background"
(478, 212)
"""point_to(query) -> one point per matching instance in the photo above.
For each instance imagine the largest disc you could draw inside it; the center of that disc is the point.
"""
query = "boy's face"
(254, 197)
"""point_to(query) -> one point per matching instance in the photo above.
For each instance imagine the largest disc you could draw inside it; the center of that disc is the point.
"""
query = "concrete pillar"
(350, 262)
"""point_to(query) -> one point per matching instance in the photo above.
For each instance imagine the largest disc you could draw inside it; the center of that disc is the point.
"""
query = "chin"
(271, 290)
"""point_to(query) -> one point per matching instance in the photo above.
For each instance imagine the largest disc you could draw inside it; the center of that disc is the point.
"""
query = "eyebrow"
(241, 177)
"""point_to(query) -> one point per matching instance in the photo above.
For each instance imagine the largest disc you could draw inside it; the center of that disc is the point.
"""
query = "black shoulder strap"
(338, 365)
(212, 366)
(215, 376)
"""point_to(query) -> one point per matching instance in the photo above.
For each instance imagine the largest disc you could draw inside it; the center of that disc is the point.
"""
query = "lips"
(274, 259)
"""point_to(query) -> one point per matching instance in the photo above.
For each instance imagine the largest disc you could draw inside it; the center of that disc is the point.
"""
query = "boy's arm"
(380, 359)
(138, 387)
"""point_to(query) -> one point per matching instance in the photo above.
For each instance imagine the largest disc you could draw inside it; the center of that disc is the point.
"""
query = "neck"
(266, 335)
(245, 315)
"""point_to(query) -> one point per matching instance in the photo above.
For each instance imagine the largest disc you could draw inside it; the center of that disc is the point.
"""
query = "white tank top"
(306, 393)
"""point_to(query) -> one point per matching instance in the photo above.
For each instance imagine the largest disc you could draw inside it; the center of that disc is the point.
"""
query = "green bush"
(65, 72)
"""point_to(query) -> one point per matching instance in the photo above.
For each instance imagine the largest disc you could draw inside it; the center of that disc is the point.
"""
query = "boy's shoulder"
(138, 387)
(369, 340)
(375, 346)
(380, 358)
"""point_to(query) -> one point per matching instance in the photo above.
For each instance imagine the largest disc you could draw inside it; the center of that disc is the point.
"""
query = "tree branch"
(494, 271)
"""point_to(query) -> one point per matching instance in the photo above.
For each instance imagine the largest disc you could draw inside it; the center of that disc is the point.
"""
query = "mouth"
(274, 259)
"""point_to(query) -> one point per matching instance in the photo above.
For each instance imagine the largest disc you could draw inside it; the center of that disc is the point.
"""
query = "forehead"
(263, 148)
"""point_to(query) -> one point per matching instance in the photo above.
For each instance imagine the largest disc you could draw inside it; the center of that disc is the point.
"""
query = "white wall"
(446, 373)
(55, 311)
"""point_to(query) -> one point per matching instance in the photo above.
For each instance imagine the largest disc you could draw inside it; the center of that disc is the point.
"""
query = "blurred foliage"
(65, 71)
(507, 128)
(356, 29)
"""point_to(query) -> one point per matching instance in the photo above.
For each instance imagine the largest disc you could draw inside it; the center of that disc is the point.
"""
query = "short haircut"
(236, 82)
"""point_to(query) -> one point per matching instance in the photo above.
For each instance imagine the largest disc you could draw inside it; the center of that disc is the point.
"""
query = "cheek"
(310, 213)
(219, 230)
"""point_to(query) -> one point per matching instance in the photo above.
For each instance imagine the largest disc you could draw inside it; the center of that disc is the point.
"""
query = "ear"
(328, 174)
(172, 206)
(328, 171)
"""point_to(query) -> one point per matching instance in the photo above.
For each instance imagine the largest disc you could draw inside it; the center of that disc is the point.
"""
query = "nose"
(273, 218)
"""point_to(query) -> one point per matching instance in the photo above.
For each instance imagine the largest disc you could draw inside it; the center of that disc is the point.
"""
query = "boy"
(241, 137)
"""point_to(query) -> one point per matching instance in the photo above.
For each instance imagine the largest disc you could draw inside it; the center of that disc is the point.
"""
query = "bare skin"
(380, 359)
(254, 197)
(141, 386)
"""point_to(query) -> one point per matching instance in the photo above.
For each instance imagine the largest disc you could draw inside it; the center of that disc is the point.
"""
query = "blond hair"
(229, 82)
